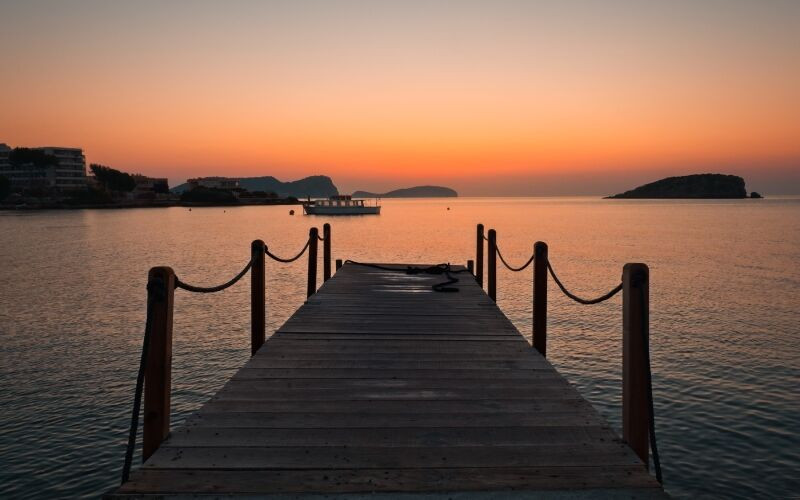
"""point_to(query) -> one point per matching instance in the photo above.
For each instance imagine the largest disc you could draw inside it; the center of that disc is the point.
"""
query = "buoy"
(291, 212)
(448, 208)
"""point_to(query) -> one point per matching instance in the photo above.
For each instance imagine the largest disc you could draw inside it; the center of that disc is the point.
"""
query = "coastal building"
(150, 187)
(5, 166)
(67, 173)
(214, 182)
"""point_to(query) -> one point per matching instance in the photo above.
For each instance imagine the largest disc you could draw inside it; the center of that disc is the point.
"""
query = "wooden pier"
(378, 384)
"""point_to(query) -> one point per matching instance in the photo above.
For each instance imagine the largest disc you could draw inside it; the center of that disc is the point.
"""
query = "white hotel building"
(70, 173)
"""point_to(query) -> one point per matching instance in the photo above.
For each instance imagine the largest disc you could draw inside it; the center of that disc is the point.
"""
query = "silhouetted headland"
(316, 186)
(412, 192)
(711, 186)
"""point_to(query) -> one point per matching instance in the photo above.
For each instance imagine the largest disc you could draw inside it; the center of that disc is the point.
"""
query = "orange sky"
(502, 97)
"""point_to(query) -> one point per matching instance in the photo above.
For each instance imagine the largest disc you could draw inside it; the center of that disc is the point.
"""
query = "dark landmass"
(316, 186)
(72, 204)
(690, 186)
(412, 192)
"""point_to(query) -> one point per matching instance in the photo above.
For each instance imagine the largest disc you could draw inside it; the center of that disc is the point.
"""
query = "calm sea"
(725, 295)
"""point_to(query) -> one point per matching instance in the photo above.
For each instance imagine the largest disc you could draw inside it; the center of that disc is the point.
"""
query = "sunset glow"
(380, 95)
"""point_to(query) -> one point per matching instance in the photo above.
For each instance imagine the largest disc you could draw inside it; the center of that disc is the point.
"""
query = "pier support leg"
(540, 297)
(479, 256)
(313, 237)
(326, 252)
(471, 266)
(338, 264)
(491, 264)
(258, 302)
(158, 370)
(635, 332)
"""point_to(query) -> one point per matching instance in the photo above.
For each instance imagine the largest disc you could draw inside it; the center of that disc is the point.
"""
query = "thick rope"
(511, 268)
(437, 269)
(286, 261)
(574, 297)
(212, 289)
(650, 407)
(155, 292)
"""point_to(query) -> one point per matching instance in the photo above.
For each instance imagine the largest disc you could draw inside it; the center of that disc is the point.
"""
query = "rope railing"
(159, 295)
(638, 409)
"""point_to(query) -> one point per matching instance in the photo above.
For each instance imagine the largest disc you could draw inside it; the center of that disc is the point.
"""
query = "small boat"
(342, 204)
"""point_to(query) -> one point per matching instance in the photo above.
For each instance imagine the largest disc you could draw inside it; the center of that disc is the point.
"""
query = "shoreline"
(165, 204)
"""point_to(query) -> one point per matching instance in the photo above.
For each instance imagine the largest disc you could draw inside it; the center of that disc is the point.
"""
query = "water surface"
(725, 290)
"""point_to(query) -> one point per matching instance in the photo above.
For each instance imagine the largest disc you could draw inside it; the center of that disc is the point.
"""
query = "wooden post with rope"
(479, 256)
(258, 302)
(540, 297)
(491, 264)
(635, 332)
(313, 239)
(158, 370)
(326, 252)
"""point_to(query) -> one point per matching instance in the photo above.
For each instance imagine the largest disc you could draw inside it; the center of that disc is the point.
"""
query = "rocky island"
(711, 186)
(412, 192)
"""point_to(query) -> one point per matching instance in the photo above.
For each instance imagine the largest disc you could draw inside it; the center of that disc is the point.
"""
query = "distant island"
(412, 192)
(316, 186)
(697, 186)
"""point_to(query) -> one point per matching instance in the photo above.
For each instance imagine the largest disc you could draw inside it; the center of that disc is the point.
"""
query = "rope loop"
(286, 261)
(577, 299)
(509, 266)
(211, 289)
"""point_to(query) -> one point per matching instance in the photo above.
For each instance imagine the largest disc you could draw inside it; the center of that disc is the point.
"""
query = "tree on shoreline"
(113, 179)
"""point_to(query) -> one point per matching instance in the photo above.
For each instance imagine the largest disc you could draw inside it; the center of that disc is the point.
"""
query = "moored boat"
(342, 204)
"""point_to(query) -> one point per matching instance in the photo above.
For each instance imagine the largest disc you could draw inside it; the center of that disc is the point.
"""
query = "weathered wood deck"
(378, 384)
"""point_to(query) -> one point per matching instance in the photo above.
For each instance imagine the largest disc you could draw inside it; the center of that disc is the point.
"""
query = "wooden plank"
(395, 436)
(498, 407)
(375, 457)
(375, 373)
(250, 419)
(351, 480)
(237, 389)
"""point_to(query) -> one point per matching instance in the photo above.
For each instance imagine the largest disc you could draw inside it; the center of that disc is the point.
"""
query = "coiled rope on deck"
(156, 292)
(444, 268)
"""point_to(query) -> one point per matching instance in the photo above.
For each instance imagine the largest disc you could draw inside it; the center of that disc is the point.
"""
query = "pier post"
(471, 266)
(491, 265)
(326, 252)
(479, 256)
(313, 238)
(258, 302)
(158, 369)
(635, 333)
(540, 297)
(338, 264)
